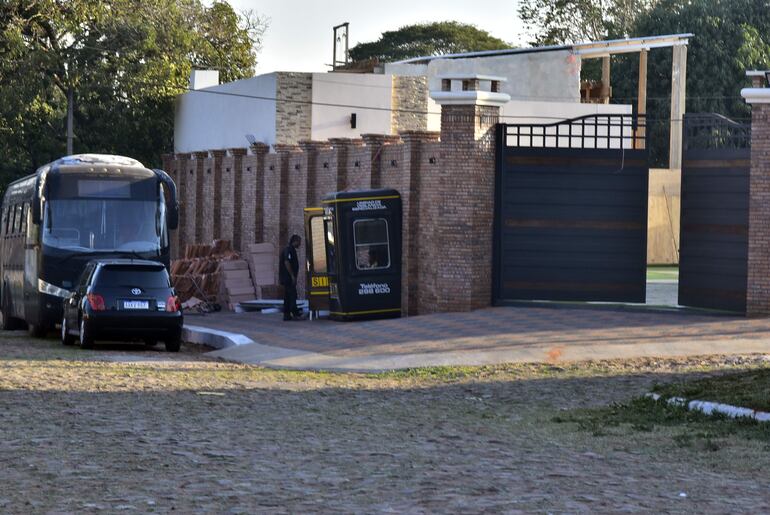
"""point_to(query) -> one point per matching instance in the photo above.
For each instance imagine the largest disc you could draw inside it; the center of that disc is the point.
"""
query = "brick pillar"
(342, 148)
(374, 143)
(216, 193)
(758, 283)
(271, 201)
(413, 239)
(200, 201)
(286, 157)
(254, 224)
(182, 178)
(311, 151)
(238, 194)
(460, 232)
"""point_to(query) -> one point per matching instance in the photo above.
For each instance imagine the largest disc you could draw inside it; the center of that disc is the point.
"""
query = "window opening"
(372, 246)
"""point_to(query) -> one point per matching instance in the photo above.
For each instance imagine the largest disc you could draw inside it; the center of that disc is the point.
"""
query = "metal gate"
(571, 210)
(713, 256)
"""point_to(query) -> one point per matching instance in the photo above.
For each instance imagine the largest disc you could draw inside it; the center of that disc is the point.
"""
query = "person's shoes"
(301, 316)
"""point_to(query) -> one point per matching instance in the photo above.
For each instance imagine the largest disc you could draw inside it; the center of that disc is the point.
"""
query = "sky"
(299, 37)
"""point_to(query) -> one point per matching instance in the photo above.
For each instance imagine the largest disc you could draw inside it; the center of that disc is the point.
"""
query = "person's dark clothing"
(289, 287)
(290, 301)
(288, 254)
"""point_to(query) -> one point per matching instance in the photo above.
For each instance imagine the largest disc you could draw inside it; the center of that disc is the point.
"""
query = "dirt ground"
(124, 429)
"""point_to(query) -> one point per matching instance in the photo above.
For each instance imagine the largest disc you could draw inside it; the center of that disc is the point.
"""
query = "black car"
(123, 299)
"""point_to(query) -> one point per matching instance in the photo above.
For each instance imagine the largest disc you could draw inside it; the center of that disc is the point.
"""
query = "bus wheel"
(37, 330)
(66, 338)
(86, 341)
(7, 323)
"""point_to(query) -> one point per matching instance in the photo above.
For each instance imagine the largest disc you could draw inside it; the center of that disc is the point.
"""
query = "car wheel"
(174, 344)
(86, 341)
(66, 338)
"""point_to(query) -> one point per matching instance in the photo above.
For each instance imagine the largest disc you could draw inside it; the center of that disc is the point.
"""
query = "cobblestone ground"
(130, 430)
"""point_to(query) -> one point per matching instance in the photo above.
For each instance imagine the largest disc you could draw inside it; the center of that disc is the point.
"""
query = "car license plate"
(136, 304)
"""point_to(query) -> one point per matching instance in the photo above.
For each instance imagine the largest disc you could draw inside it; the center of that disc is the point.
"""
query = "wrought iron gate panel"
(713, 256)
(571, 211)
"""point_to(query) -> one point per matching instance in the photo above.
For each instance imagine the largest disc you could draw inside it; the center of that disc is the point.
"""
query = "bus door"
(317, 268)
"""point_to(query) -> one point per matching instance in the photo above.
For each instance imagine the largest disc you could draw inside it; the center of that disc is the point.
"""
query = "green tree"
(730, 37)
(446, 37)
(125, 61)
(555, 22)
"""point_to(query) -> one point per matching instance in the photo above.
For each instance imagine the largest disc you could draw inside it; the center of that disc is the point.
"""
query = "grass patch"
(685, 428)
(750, 389)
(662, 272)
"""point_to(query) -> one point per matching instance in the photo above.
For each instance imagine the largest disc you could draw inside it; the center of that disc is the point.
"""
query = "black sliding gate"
(713, 256)
(571, 210)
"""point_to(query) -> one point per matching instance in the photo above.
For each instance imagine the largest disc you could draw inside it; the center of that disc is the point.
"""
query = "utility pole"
(70, 96)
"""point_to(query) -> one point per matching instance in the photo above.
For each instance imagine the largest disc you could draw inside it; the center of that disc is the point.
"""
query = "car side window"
(83, 281)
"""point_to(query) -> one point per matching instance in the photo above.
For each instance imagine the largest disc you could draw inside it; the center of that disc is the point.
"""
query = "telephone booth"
(354, 254)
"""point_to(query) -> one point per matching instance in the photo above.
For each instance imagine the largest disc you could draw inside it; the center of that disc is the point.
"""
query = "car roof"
(138, 263)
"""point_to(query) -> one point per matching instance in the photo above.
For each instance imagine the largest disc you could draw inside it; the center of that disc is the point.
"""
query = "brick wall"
(758, 291)
(447, 189)
(294, 92)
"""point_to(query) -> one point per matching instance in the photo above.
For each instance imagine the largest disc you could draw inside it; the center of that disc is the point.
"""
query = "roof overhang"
(588, 50)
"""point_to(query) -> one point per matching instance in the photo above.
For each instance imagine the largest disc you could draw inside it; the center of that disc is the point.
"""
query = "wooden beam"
(606, 90)
(678, 85)
(641, 106)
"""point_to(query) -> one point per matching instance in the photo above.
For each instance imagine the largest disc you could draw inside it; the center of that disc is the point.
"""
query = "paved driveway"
(488, 336)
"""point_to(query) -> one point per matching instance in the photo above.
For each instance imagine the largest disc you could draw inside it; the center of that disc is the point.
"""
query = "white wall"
(350, 89)
(552, 76)
(205, 120)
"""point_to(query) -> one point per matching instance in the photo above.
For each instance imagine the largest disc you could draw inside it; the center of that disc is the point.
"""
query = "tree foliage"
(446, 37)
(730, 37)
(125, 61)
(555, 22)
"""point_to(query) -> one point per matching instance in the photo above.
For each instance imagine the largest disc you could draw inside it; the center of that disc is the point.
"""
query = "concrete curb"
(213, 337)
(709, 408)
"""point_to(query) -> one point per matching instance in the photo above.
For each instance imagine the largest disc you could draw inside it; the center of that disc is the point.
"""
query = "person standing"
(288, 268)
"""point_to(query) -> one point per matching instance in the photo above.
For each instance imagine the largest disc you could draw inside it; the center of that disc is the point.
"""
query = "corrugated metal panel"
(715, 224)
(571, 223)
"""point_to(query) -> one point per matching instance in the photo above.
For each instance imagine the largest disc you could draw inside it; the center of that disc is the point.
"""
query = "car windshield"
(105, 224)
(128, 276)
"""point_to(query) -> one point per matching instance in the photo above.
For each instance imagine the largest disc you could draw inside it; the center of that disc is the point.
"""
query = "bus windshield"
(87, 224)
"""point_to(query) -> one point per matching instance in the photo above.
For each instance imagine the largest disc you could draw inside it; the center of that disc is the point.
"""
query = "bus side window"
(24, 211)
(12, 220)
(17, 221)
